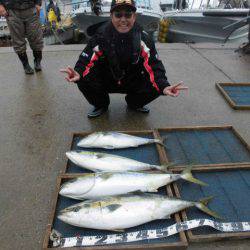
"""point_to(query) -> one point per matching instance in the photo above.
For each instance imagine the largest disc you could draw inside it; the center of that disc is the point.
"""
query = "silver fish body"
(114, 140)
(97, 185)
(121, 212)
(95, 161)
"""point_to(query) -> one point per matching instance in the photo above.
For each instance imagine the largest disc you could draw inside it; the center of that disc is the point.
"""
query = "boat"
(84, 15)
(207, 24)
(5, 39)
(63, 32)
(4, 30)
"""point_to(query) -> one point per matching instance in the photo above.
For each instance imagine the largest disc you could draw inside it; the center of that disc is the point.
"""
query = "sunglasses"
(127, 14)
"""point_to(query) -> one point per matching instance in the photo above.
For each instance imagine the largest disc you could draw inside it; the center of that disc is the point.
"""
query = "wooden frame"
(182, 244)
(208, 237)
(204, 167)
(131, 132)
(228, 98)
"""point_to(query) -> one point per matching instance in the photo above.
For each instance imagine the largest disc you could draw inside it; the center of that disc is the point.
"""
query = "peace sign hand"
(72, 75)
(174, 90)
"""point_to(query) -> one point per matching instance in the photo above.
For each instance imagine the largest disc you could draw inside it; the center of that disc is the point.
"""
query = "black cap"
(117, 3)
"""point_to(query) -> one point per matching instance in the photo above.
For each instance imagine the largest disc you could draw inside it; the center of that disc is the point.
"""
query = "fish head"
(89, 139)
(76, 156)
(77, 187)
(71, 214)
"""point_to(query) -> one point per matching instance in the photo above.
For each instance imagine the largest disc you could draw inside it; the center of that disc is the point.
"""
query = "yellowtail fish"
(114, 140)
(98, 185)
(96, 162)
(125, 211)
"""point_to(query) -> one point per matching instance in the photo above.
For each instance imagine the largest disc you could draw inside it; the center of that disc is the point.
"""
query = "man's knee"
(88, 85)
(19, 49)
(35, 35)
(18, 43)
(36, 42)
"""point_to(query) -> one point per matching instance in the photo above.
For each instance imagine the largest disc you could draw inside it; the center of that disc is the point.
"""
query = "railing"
(203, 4)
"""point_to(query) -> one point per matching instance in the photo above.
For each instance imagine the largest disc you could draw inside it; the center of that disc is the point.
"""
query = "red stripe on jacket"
(149, 69)
(94, 58)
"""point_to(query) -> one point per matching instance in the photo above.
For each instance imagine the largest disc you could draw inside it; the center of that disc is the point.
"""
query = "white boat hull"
(4, 30)
(195, 27)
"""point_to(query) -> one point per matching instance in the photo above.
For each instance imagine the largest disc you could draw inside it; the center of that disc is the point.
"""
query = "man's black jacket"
(139, 54)
(20, 4)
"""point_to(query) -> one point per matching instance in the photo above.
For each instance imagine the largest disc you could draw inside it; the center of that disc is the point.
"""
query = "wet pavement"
(39, 113)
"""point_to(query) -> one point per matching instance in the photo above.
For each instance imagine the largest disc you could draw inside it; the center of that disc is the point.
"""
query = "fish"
(97, 162)
(116, 213)
(98, 185)
(114, 140)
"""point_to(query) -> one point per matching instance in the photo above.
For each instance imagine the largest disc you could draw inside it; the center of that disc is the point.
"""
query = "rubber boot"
(24, 59)
(37, 60)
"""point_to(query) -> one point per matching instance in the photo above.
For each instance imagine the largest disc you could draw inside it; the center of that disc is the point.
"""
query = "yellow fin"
(187, 175)
(202, 206)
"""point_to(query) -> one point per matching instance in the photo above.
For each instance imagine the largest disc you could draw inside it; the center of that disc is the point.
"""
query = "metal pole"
(45, 10)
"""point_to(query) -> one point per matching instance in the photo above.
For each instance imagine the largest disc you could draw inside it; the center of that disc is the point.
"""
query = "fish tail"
(165, 167)
(187, 175)
(202, 205)
(161, 141)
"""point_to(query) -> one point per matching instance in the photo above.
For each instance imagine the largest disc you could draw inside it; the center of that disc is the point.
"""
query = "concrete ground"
(39, 113)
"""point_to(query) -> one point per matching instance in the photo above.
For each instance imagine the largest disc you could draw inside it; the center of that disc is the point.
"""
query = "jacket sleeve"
(88, 58)
(154, 65)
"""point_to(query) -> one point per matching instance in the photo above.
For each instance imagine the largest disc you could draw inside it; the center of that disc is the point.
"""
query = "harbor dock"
(40, 112)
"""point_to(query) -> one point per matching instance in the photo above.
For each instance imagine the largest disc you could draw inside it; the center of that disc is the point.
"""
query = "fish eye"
(76, 209)
(73, 209)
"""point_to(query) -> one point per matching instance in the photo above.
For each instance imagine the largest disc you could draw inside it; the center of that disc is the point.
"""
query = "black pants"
(97, 85)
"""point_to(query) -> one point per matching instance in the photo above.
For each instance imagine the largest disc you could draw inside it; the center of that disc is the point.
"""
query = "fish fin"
(201, 204)
(187, 175)
(118, 230)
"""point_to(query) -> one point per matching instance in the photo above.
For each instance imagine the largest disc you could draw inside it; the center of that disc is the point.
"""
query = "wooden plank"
(240, 138)
(207, 168)
(234, 84)
(203, 167)
(196, 128)
(174, 246)
(52, 214)
(168, 187)
(228, 98)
